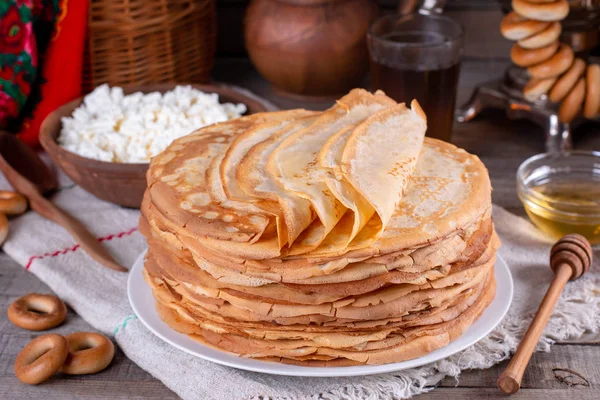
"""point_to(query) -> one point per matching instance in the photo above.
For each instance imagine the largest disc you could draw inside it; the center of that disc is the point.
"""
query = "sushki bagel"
(542, 11)
(41, 358)
(537, 87)
(571, 105)
(37, 312)
(567, 80)
(12, 203)
(543, 38)
(3, 228)
(516, 27)
(528, 57)
(555, 65)
(591, 107)
(89, 353)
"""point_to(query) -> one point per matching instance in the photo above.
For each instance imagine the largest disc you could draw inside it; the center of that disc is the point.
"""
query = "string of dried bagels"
(535, 26)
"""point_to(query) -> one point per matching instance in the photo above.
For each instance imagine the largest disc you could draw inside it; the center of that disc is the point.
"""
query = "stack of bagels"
(333, 238)
(552, 66)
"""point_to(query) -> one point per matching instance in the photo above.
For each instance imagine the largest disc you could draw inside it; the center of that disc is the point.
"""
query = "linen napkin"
(99, 296)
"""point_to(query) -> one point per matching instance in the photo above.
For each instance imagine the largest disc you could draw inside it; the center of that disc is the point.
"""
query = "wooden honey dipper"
(570, 258)
(552, 66)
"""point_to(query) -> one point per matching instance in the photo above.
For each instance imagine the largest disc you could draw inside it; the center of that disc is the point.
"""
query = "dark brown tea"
(435, 90)
(430, 82)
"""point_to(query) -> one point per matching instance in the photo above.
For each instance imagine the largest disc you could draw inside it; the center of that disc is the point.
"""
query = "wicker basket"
(139, 42)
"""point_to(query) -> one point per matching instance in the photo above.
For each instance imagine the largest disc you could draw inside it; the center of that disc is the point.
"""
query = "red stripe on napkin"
(75, 247)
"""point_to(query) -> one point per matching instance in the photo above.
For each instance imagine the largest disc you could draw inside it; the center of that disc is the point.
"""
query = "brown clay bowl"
(118, 183)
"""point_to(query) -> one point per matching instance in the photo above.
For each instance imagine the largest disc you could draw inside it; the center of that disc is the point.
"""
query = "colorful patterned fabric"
(41, 44)
(20, 20)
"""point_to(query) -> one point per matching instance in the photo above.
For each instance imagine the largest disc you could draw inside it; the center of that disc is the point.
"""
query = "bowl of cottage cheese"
(105, 140)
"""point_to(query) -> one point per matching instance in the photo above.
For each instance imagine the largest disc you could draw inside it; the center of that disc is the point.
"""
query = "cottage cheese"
(113, 127)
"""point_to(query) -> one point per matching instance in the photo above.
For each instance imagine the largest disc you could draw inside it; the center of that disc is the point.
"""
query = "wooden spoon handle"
(83, 237)
(46, 209)
(510, 380)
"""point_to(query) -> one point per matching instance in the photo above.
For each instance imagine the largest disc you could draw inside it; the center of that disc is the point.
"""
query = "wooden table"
(570, 371)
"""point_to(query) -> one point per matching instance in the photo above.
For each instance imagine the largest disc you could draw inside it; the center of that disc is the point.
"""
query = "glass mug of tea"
(418, 57)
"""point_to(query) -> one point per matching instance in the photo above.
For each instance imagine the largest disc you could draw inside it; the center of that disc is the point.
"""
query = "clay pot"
(310, 47)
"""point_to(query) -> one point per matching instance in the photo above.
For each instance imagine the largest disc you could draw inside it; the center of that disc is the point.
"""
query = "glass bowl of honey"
(561, 192)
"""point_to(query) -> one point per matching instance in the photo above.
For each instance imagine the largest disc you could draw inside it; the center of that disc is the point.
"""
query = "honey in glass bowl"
(561, 193)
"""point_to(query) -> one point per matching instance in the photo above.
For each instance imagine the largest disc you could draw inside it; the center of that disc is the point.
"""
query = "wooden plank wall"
(480, 18)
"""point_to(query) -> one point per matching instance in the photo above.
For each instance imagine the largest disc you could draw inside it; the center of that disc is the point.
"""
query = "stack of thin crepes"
(331, 238)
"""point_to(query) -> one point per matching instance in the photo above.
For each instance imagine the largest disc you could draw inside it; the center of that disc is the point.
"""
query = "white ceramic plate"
(142, 302)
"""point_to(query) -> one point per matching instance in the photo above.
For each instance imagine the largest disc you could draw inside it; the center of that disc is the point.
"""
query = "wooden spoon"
(16, 160)
(570, 258)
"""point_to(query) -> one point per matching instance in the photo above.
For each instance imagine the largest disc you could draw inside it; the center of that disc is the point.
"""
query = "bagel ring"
(3, 228)
(542, 11)
(571, 105)
(37, 312)
(515, 27)
(528, 57)
(555, 65)
(543, 38)
(41, 358)
(537, 87)
(567, 81)
(12, 203)
(89, 353)
(591, 107)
